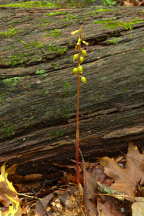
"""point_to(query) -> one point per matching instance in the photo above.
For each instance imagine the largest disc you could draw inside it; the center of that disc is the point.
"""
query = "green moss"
(56, 49)
(2, 98)
(52, 48)
(18, 58)
(55, 33)
(55, 66)
(9, 33)
(44, 92)
(32, 44)
(67, 88)
(66, 111)
(40, 72)
(99, 10)
(8, 131)
(71, 17)
(44, 23)
(57, 133)
(109, 2)
(114, 40)
(55, 13)
(12, 81)
(15, 21)
(2, 60)
(105, 21)
(31, 4)
(114, 24)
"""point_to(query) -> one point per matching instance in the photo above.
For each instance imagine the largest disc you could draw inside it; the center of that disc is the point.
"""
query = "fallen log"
(37, 88)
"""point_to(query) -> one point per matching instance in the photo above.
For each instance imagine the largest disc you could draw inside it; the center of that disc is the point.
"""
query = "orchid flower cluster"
(79, 57)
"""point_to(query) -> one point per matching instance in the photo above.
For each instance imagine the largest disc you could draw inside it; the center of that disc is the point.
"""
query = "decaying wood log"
(37, 88)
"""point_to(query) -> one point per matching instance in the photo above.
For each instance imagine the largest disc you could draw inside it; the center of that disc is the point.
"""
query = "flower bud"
(75, 70)
(84, 52)
(81, 59)
(76, 57)
(80, 69)
(76, 31)
(85, 43)
(79, 41)
(83, 79)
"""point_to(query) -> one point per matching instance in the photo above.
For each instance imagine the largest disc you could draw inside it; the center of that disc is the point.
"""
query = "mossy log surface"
(38, 90)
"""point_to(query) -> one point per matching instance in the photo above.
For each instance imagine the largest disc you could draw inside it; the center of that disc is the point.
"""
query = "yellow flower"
(84, 42)
(76, 57)
(83, 79)
(75, 32)
(75, 70)
(81, 59)
(84, 52)
(80, 69)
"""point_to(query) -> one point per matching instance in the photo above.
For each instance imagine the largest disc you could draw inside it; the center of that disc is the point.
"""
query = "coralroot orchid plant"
(78, 59)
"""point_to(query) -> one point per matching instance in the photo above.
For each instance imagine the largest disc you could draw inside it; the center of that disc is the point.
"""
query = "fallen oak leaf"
(41, 205)
(93, 174)
(126, 179)
(107, 207)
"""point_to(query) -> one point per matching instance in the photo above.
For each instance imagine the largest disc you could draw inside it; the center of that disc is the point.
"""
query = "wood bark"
(38, 90)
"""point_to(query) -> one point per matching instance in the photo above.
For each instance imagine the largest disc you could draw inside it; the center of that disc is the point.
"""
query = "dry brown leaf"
(107, 208)
(61, 203)
(92, 174)
(128, 3)
(42, 204)
(126, 179)
(133, 3)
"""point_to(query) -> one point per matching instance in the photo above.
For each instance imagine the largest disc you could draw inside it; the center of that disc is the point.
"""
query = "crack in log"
(123, 132)
(116, 33)
(118, 108)
(109, 55)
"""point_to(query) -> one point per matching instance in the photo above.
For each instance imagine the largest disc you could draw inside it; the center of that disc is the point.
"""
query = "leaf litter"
(111, 187)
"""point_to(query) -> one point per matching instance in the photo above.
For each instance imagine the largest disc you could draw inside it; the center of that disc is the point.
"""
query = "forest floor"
(109, 187)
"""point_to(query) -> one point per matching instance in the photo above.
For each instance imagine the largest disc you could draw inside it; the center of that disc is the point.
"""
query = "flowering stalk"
(78, 59)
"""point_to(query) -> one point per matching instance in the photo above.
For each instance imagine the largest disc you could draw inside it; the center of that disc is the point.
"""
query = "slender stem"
(77, 144)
